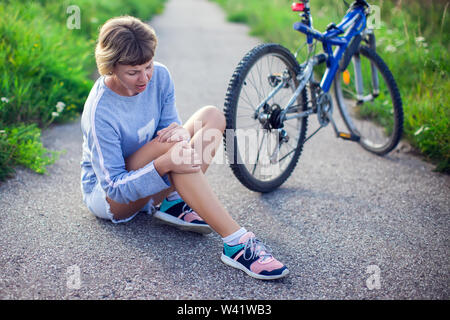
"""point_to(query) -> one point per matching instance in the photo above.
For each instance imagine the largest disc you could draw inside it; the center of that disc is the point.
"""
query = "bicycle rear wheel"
(370, 105)
(261, 150)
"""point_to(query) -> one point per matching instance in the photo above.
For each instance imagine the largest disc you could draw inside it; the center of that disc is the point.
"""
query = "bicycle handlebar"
(356, 2)
(362, 2)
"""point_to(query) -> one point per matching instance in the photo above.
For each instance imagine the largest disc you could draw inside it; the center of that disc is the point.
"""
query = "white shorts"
(97, 204)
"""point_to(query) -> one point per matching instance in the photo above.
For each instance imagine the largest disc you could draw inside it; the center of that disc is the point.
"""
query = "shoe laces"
(257, 249)
(186, 208)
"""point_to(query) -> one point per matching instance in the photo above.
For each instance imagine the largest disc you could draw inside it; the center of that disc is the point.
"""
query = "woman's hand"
(184, 158)
(181, 158)
(173, 133)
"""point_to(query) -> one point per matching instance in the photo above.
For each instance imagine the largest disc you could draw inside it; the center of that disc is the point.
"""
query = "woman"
(137, 154)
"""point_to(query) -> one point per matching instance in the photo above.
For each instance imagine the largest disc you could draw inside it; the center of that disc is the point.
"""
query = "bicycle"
(271, 95)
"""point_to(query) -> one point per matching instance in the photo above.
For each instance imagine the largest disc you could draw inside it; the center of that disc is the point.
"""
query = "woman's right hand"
(182, 158)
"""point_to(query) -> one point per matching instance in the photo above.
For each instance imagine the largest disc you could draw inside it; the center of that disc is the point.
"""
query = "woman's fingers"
(172, 125)
(179, 135)
(185, 158)
(162, 137)
(169, 136)
(174, 134)
(164, 133)
(190, 156)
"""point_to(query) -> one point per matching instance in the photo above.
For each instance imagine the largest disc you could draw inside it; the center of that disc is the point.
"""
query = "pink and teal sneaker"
(252, 257)
(178, 214)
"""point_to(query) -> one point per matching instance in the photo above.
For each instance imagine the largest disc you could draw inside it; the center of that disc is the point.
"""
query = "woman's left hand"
(173, 133)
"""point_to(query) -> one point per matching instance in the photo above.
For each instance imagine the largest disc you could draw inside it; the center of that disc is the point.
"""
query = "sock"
(233, 239)
(173, 196)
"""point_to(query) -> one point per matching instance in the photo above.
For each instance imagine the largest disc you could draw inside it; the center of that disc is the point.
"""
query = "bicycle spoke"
(254, 86)
(281, 159)
(248, 108)
(353, 94)
(257, 155)
(258, 68)
(248, 100)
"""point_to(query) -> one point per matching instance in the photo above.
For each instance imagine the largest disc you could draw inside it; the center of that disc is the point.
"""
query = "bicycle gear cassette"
(324, 109)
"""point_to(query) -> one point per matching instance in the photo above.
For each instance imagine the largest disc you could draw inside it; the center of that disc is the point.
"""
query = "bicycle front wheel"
(262, 150)
(369, 101)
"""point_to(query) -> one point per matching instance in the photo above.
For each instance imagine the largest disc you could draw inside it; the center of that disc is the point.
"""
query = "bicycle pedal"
(348, 136)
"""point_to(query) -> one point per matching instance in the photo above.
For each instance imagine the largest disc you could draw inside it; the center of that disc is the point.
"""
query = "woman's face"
(130, 80)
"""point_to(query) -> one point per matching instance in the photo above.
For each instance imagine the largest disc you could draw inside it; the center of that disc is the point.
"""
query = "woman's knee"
(214, 117)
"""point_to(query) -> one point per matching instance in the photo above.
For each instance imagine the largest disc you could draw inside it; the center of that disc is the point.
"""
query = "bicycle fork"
(361, 98)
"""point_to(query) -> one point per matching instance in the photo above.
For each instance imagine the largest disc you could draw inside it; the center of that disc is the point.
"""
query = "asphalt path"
(348, 224)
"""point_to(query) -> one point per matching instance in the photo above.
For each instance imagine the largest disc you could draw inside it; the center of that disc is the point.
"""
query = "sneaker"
(177, 213)
(254, 258)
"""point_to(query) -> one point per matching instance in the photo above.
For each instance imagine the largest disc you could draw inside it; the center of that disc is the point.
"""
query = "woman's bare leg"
(197, 193)
(206, 127)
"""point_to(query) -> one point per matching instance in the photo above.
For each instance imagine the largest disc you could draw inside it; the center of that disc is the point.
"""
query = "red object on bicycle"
(296, 6)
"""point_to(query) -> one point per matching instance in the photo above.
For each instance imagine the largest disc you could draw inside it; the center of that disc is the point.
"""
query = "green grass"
(45, 70)
(413, 39)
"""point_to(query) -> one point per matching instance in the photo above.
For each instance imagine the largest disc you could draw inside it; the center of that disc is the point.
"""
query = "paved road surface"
(342, 211)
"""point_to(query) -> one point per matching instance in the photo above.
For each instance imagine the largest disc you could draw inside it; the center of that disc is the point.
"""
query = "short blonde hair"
(125, 40)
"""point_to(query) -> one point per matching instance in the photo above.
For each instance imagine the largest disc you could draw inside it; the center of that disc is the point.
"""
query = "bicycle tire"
(237, 84)
(391, 126)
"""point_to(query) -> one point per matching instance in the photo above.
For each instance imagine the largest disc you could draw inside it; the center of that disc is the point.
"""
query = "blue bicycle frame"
(352, 25)
(354, 22)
